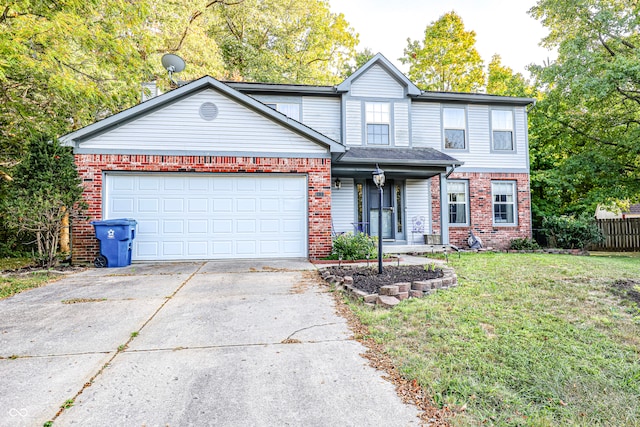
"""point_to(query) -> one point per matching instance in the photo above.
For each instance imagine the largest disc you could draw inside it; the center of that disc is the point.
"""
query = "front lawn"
(525, 340)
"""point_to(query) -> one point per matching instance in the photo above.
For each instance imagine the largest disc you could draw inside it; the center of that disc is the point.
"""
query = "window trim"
(465, 129)
(388, 123)
(513, 149)
(466, 203)
(514, 187)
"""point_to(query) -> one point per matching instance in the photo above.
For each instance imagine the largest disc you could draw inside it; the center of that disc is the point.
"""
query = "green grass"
(13, 284)
(525, 340)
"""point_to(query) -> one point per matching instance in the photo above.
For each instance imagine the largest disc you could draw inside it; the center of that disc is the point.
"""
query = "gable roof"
(380, 60)
(168, 98)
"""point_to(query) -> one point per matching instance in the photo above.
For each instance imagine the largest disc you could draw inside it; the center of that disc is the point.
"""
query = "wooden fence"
(619, 234)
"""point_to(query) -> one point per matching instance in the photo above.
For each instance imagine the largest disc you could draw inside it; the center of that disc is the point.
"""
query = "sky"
(501, 26)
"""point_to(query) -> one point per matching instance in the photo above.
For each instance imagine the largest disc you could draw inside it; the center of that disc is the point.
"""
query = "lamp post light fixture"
(378, 180)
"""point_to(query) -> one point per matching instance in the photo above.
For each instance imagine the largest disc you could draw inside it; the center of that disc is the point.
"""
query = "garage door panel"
(174, 184)
(222, 205)
(122, 206)
(197, 249)
(173, 205)
(173, 227)
(198, 205)
(190, 216)
(150, 183)
(198, 226)
(149, 205)
(148, 227)
(175, 248)
(147, 250)
(246, 185)
(245, 205)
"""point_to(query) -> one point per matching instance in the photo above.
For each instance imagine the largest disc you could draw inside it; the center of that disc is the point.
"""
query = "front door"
(391, 210)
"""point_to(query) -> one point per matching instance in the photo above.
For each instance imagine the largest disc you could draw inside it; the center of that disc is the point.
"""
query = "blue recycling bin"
(116, 239)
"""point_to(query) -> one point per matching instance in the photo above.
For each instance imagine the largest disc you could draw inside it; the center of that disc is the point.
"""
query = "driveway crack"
(123, 347)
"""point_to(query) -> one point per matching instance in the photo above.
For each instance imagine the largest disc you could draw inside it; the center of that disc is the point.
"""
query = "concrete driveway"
(178, 344)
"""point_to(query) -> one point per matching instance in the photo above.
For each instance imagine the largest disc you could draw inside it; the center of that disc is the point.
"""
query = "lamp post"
(378, 180)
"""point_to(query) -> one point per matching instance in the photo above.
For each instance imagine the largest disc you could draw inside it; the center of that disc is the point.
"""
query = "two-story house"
(254, 170)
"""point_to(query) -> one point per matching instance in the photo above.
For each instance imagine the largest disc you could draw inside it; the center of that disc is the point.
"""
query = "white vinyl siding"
(322, 115)
(377, 83)
(211, 216)
(426, 125)
(354, 122)
(401, 124)
(343, 206)
(235, 129)
(418, 197)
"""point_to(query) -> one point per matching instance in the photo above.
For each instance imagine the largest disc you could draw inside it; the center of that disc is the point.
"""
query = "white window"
(289, 110)
(458, 202)
(454, 125)
(502, 130)
(503, 194)
(378, 121)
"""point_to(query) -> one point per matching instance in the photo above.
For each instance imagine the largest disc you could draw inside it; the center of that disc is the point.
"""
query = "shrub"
(351, 246)
(524, 244)
(46, 188)
(569, 232)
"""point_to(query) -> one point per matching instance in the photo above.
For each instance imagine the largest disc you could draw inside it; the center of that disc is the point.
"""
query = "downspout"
(453, 168)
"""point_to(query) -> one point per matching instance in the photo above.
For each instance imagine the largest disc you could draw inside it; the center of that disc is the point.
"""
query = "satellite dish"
(173, 64)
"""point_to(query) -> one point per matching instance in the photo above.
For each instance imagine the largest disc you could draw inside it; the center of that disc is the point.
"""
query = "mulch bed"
(368, 280)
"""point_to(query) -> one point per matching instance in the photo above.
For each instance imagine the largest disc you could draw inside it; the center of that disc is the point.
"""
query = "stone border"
(391, 295)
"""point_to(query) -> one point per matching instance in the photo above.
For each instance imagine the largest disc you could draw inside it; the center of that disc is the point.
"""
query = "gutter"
(453, 168)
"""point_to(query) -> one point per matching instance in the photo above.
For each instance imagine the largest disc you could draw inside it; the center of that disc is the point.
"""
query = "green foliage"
(46, 187)
(584, 131)
(292, 41)
(570, 232)
(503, 81)
(523, 243)
(446, 60)
(351, 246)
(525, 340)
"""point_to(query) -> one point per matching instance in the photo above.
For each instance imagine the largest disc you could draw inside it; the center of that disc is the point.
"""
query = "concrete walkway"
(210, 343)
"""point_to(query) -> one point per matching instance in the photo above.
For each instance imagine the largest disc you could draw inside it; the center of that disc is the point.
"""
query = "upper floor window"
(378, 122)
(502, 130)
(454, 125)
(458, 202)
(504, 202)
(288, 109)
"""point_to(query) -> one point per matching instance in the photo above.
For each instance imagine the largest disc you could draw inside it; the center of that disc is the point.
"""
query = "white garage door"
(204, 216)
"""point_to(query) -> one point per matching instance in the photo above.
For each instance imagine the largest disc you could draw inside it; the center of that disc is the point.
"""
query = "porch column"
(444, 210)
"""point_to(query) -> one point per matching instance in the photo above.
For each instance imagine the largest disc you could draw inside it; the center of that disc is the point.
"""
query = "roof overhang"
(75, 138)
(473, 98)
(400, 162)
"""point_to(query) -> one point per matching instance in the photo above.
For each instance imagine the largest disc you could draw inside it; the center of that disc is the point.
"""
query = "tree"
(446, 60)
(503, 81)
(282, 41)
(585, 131)
(361, 58)
(46, 188)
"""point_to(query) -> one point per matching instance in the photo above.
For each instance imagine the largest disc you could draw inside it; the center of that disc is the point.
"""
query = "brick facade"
(92, 166)
(481, 210)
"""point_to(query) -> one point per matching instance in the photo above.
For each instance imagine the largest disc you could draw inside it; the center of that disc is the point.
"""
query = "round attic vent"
(208, 111)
